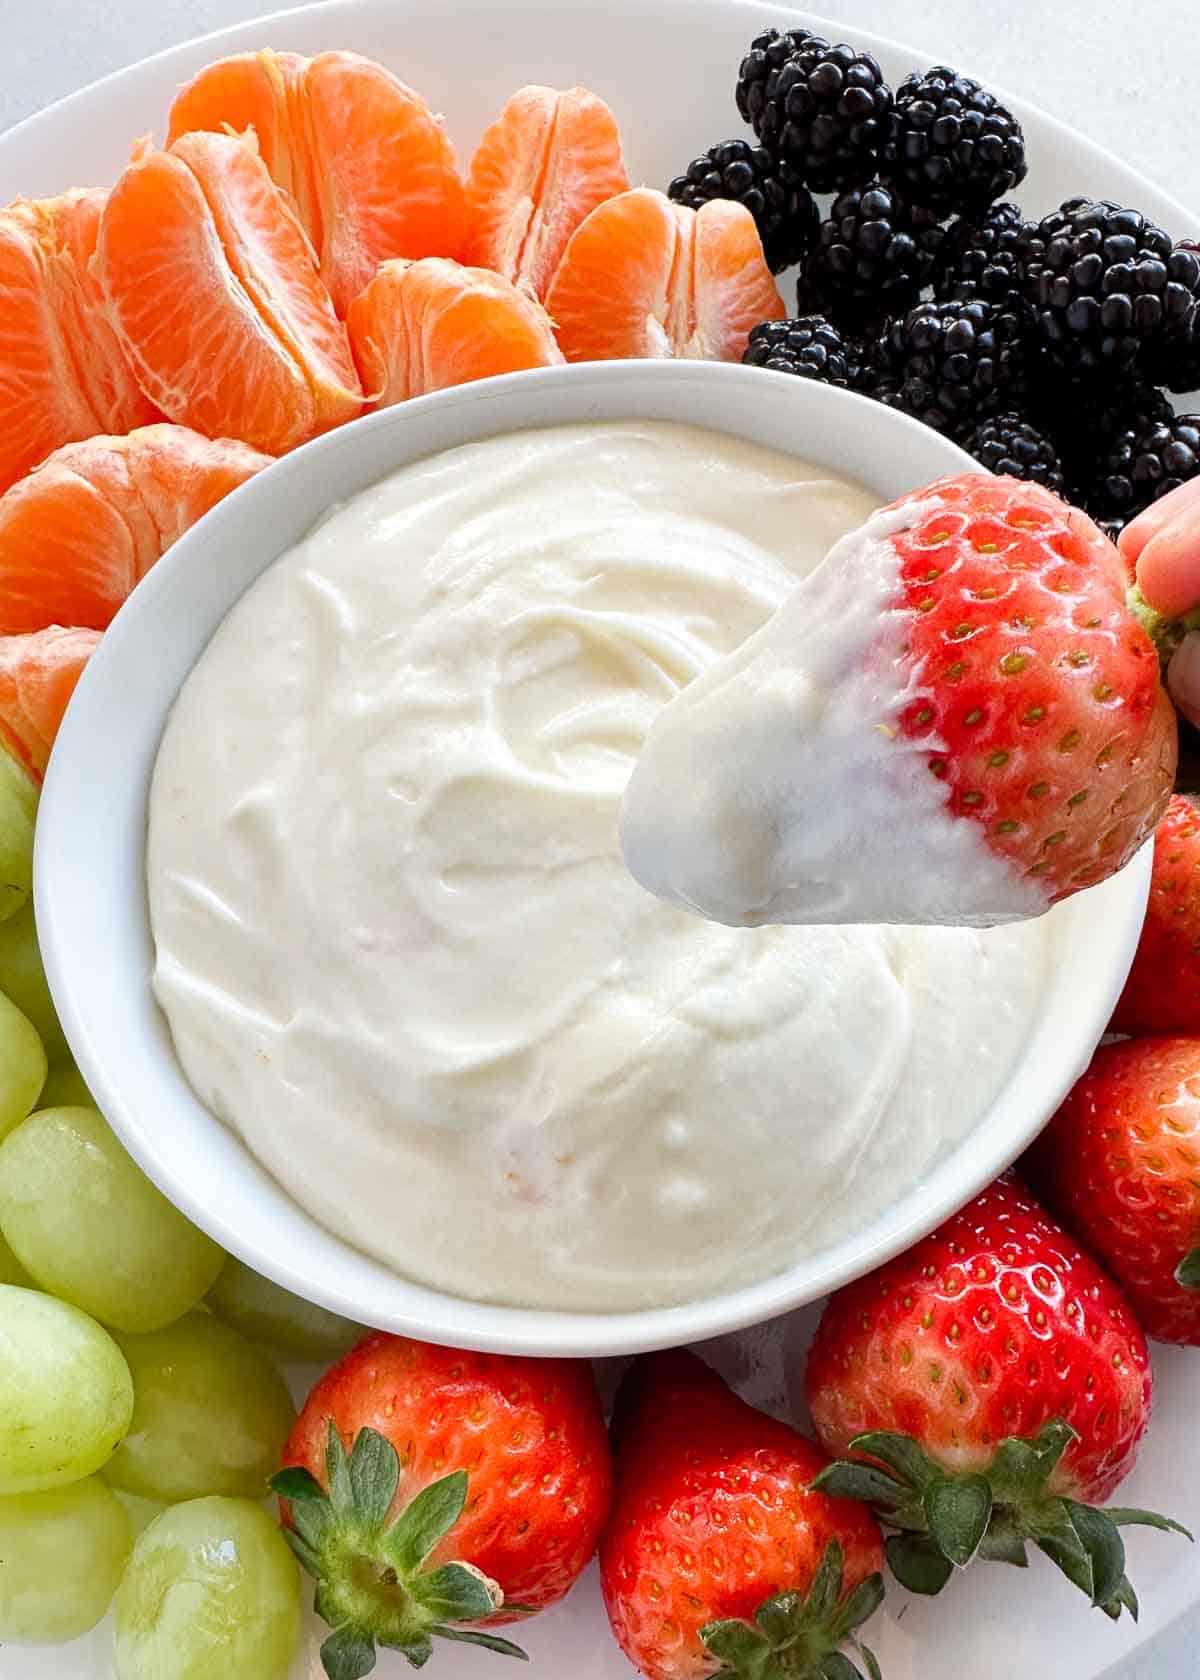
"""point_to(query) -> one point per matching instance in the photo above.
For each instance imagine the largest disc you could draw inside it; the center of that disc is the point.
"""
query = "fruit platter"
(623, 792)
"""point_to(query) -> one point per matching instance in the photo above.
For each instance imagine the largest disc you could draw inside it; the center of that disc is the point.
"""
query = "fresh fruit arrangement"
(304, 248)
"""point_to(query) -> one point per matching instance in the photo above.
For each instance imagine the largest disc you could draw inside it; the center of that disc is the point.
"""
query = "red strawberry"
(1003, 1384)
(474, 1491)
(1120, 1166)
(954, 718)
(1162, 547)
(1162, 994)
(719, 1554)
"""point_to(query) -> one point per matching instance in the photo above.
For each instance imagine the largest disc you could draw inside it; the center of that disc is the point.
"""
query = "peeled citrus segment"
(424, 325)
(214, 290)
(83, 528)
(38, 673)
(547, 161)
(368, 164)
(645, 277)
(63, 374)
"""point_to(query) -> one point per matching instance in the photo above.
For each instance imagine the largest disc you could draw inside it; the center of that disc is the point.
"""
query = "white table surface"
(1124, 73)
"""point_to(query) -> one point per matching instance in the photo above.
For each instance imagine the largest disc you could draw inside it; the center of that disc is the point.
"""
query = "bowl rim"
(440, 1316)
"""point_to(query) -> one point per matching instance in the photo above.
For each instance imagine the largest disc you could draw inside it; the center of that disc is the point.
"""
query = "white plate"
(644, 56)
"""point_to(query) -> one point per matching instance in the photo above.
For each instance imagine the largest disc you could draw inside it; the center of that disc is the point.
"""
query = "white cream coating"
(778, 786)
(398, 949)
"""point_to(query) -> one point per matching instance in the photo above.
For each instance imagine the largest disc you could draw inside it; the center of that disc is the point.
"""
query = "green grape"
(18, 808)
(66, 1396)
(24, 979)
(210, 1414)
(263, 1311)
(22, 1065)
(64, 1088)
(62, 1552)
(211, 1593)
(87, 1224)
(11, 1269)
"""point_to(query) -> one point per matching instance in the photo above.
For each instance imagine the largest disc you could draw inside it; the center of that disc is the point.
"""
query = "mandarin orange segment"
(83, 528)
(38, 674)
(547, 161)
(368, 164)
(63, 374)
(645, 277)
(214, 290)
(425, 325)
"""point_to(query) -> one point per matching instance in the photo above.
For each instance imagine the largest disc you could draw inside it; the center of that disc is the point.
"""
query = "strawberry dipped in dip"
(954, 719)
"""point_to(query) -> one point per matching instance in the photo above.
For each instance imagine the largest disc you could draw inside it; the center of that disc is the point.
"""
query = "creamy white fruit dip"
(396, 943)
(778, 787)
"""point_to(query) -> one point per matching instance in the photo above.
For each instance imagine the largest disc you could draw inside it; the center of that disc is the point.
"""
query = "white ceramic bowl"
(91, 900)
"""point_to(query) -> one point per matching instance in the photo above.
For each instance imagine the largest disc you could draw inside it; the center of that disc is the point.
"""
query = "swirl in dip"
(395, 941)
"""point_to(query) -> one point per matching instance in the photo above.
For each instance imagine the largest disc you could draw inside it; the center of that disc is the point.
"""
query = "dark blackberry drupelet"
(1004, 443)
(956, 362)
(871, 260)
(1140, 464)
(784, 212)
(807, 345)
(979, 255)
(950, 144)
(1104, 284)
(1174, 360)
(820, 107)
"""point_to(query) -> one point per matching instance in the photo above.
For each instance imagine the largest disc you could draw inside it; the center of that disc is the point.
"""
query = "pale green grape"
(88, 1225)
(22, 1065)
(64, 1088)
(61, 1556)
(11, 1269)
(24, 979)
(210, 1414)
(263, 1311)
(66, 1396)
(18, 808)
(211, 1593)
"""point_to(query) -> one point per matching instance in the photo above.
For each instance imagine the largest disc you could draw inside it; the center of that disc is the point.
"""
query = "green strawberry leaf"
(1051, 1442)
(917, 1563)
(848, 1479)
(374, 1476)
(1004, 1542)
(1126, 1516)
(1187, 1273)
(348, 1654)
(1016, 1472)
(426, 1520)
(312, 1519)
(780, 1617)
(957, 1509)
(1103, 1545)
(740, 1647)
(337, 1471)
(306, 1556)
(297, 1484)
(454, 1593)
(825, 1589)
(488, 1641)
(900, 1453)
(1123, 1599)
(869, 1661)
(837, 1666)
(861, 1605)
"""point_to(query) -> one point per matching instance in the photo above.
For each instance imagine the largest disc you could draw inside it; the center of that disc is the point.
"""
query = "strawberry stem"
(375, 1585)
(798, 1636)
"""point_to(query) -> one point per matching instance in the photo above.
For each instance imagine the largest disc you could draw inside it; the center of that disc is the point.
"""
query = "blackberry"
(979, 257)
(818, 107)
(785, 213)
(1104, 284)
(1004, 443)
(956, 362)
(950, 143)
(872, 258)
(807, 345)
(1142, 463)
(1174, 361)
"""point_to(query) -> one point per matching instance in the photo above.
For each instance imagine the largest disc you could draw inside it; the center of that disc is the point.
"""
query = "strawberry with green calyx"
(987, 1389)
(1117, 1164)
(436, 1494)
(719, 1558)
